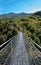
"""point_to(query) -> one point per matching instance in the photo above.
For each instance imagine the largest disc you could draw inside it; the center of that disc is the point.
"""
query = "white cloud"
(34, 10)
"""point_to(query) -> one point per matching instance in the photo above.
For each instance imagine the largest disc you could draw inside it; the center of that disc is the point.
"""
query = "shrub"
(5, 36)
(2, 39)
(9, 34)
(15, 31)
(37, 40)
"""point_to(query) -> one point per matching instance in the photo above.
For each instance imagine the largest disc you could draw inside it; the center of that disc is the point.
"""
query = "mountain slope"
(38, 13)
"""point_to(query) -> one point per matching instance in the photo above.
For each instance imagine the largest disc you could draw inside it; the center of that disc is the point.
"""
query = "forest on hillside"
(30, 25)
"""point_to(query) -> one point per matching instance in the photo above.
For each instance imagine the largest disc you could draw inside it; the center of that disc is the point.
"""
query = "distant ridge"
(13, 15)
(22, 14)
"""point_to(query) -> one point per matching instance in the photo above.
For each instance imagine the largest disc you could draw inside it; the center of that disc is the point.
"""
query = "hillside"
(38, 13)
(27, 23)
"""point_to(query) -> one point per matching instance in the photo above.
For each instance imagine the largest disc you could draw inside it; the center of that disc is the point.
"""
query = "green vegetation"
(8, 29)
(30, 25)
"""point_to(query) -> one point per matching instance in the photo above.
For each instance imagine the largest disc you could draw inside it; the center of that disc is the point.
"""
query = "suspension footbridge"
(19, 51)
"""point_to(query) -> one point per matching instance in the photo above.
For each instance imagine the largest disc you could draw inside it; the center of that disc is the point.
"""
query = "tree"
(2, 39)
(9, 34)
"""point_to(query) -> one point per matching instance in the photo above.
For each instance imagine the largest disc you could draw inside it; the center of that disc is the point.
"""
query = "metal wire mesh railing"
(6, 52)
(34, 53)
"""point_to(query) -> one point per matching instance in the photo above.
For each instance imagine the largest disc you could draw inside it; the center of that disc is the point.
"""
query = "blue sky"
(17, 6)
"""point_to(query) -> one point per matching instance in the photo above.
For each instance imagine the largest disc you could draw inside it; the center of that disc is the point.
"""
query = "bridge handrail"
(38, 46)
(5, 43)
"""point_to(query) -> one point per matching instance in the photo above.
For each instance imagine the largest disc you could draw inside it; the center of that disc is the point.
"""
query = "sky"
(17, 6)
